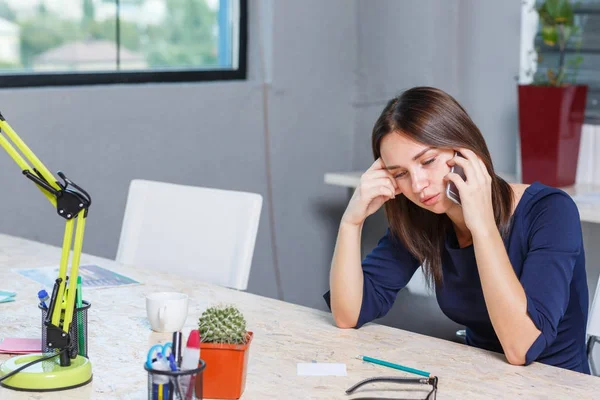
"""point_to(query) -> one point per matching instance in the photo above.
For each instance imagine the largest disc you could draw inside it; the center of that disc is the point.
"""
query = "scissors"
(159, 349)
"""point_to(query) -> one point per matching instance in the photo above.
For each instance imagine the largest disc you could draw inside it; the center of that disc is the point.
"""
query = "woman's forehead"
(400, 144)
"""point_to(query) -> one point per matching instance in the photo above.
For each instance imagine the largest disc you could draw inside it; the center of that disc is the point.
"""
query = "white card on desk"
(321, 369)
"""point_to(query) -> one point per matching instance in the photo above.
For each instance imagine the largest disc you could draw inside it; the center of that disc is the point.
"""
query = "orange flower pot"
(225, 374)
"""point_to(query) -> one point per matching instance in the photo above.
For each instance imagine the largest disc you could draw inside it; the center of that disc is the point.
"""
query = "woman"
(508, 263)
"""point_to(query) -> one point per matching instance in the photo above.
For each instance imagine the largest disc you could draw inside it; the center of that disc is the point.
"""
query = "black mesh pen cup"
(78, 332)
(175, 385)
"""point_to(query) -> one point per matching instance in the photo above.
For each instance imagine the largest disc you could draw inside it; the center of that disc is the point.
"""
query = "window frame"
(19, 80)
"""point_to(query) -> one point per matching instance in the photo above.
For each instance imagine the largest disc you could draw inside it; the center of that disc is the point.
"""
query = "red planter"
(550, 120)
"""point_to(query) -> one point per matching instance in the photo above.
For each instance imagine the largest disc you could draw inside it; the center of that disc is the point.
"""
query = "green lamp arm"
(69, 200)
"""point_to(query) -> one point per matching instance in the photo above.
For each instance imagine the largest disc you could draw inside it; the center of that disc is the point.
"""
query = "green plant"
(7, 65)
(222, 324)
(558, 29)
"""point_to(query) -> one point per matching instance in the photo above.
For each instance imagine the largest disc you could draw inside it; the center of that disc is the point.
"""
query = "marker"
(177, 347)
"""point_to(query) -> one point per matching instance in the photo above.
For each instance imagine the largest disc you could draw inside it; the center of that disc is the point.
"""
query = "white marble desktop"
(285, 335)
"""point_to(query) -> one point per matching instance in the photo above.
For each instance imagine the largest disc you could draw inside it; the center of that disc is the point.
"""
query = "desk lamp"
(62, 369)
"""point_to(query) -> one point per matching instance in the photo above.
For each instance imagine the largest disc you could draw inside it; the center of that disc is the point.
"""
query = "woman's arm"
(377, 185)
(346, 276)
(383, 272)
(504, 295)
(524, 311)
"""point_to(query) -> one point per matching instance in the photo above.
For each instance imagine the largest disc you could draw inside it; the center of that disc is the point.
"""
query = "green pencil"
(392, 365)
(80, 338)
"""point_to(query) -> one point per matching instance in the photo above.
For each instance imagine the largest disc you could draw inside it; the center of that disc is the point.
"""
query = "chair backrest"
(197, 233)
(593, 326)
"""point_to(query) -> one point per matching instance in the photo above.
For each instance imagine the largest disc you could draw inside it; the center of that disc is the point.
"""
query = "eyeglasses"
(432, 380)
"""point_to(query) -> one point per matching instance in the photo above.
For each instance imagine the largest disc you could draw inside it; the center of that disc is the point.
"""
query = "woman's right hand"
(377, 185)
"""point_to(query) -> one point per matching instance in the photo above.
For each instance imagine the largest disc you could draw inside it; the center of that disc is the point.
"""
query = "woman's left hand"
(475, 192)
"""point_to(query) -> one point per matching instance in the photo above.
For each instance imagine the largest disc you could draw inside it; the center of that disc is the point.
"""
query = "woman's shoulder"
(537, 194)
(540, 203)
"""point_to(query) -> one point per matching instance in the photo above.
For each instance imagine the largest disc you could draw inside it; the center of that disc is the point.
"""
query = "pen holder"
(175, 385)
(78, 332)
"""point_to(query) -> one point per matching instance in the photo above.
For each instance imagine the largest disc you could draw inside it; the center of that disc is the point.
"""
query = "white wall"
(208, 134)
(311, 120)
(468, 48)
(489, 69)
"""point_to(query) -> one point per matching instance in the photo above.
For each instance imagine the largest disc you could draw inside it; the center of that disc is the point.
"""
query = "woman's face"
(419, 171)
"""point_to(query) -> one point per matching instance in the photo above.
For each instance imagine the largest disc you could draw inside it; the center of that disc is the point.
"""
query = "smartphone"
(451, 190)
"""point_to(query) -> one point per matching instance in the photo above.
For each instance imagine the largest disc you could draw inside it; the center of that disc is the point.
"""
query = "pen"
(175, 379)
(172, 363)
(392, 365)
(43, 296)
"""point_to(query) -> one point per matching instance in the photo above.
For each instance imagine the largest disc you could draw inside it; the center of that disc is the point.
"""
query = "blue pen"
(172, 363)
(43, 296)
(175, 379)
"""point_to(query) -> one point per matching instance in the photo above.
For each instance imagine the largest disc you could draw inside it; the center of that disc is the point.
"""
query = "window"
(84, 42)
(587, 17)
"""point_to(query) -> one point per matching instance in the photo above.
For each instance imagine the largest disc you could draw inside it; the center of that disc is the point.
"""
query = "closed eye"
(402, 174)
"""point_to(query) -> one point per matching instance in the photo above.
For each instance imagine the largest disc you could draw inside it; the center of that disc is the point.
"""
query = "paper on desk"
(321, 369)
(5, 296)
(20, 345)
(92, 276)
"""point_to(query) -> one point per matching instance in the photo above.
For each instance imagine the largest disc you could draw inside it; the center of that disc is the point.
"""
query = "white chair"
(593, 328)
(197, 233)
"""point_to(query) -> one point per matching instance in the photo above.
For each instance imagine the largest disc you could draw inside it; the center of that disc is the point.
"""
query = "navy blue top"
(545, 248)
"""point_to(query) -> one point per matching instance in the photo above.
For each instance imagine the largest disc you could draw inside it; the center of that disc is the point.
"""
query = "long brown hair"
(430, 116)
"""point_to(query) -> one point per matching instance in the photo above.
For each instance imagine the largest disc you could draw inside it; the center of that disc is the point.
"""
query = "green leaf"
(575, 62)
(564, 12)
(552, 7)
(560, 78)
(567, 31)
(554, 12)
(549, 35)
(551, 77)
(545, 17)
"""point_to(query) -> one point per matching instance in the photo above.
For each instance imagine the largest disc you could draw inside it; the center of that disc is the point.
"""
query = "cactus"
(222, 324)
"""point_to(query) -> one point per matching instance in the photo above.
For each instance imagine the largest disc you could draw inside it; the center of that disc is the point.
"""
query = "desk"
(285, 334)
(589, 210)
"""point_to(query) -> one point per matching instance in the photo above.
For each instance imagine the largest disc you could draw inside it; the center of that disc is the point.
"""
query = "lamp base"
(46, 375)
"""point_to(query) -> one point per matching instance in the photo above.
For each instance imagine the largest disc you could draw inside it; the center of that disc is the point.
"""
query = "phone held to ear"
(451, 190)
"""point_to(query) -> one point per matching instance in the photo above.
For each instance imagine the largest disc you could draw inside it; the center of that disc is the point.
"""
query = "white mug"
(167, 311)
